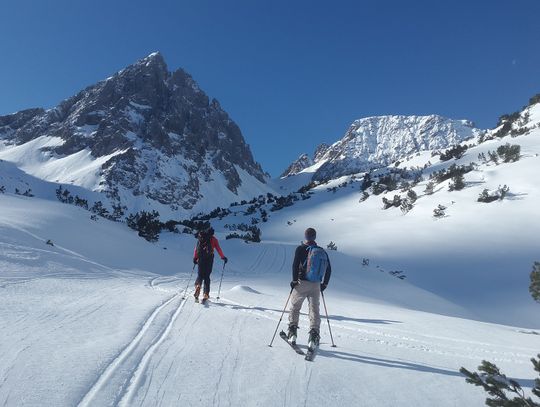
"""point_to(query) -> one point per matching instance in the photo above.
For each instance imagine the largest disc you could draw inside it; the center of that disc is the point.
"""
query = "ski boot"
(205, 297)
(197, 292)
(292, 334)
(313, 341)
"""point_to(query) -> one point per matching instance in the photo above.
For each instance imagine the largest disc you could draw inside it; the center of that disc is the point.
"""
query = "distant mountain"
(378, 141)
(305, 161)
(145, 137)
(298, 165)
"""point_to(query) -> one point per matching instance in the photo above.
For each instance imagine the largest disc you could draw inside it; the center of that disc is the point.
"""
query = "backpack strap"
(308, 249)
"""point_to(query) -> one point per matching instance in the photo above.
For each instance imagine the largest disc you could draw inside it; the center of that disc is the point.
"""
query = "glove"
(195, 260)
(294, 284)
(225, 260)
(323, 287)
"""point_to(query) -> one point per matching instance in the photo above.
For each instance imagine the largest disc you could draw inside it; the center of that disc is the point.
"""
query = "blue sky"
(292, 74)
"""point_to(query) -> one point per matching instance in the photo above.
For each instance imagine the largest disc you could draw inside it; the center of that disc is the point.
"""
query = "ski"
(295, 347)
(311, 353)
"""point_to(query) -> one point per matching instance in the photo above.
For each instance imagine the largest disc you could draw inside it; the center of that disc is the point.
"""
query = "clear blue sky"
(292, 74)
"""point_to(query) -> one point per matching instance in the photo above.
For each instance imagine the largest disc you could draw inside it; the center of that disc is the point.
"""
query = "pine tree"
(439, 211)
(60, 193)
(2, 189)
(509, 152)
(500, 388)
(118, 212)
(430, 188)
(365, 196)
(534, 288)
(406, 206)
(482, 157)
(83, 203)
(457, 183)
(99, 209)
(412, 196)
(502, 191)
(147, 224)
(454, 152)
(486, 197)
(366, 182)
(493, 157)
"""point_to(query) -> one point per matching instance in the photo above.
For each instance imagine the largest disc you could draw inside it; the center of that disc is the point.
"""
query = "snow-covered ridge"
(378, 141)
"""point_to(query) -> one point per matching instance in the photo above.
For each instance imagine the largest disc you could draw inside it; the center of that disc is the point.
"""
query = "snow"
(99, 319)
(80, 168)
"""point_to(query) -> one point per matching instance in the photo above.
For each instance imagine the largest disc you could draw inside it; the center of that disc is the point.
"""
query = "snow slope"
(478, 256)
(98, 319)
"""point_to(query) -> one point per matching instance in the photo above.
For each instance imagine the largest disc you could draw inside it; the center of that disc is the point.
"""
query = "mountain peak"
(300, 164)
(154, 57)
(157, 137)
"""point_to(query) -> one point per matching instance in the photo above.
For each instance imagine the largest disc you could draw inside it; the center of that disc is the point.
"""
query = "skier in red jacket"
(204, 257)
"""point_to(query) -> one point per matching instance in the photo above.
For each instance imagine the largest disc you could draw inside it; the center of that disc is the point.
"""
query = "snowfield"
(98, 319)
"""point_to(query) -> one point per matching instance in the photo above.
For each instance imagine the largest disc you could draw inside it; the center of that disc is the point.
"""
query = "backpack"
(205, 251)
(316, 263)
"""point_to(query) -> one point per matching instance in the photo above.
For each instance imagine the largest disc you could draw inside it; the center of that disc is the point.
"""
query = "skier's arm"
(195, 256)
(328, 273)
(296, 264)
(215, 245)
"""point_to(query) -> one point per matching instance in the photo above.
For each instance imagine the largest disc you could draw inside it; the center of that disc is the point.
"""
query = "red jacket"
(215, 245)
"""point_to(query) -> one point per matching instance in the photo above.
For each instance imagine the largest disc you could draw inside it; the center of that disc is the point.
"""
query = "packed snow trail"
(119, 375)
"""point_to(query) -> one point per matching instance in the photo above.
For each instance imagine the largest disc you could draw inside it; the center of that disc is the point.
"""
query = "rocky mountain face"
(298, 165)
(305, 161)
(378, 141)
(160, 137)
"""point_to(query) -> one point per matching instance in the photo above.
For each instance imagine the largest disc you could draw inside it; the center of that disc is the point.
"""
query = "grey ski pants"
(312, 291)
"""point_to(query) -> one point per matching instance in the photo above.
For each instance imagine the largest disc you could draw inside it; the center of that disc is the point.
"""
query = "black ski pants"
(203, 274)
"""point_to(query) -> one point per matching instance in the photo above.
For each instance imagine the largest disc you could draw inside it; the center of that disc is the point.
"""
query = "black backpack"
(205, 251)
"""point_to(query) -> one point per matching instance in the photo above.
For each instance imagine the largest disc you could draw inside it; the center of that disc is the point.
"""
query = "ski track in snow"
(120, 378)
(139, 372)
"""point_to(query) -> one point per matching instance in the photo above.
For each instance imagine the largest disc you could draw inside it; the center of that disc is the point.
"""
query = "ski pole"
(280, 318)
(189, 281)
(328, 320)
(220, 281)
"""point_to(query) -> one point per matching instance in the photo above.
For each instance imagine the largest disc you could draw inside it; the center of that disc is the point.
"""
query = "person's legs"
(198, 281)
(207, 278)
(297, 299)
(314, 297)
